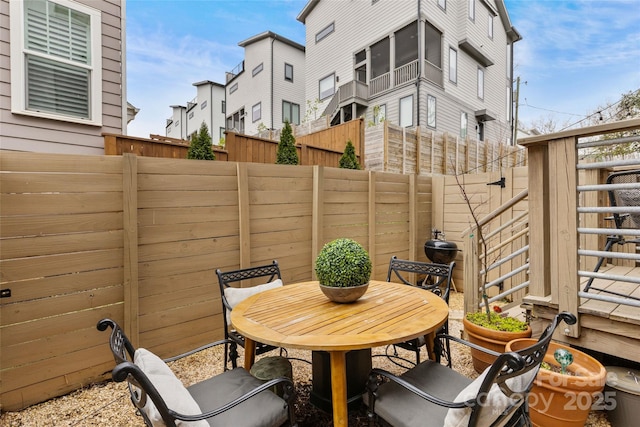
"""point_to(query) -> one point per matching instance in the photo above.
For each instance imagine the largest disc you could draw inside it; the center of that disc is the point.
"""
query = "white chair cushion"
(497, 401)
(236, 295)
(170, 388)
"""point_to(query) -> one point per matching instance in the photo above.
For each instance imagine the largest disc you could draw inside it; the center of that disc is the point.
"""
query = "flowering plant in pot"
(488, 328)
(343, 268)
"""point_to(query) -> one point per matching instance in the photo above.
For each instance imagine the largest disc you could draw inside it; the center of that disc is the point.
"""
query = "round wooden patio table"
(300, 316)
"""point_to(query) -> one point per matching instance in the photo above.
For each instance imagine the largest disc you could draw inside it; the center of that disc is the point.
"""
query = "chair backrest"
(121, 347)
(625, 197)
(431, 276)
(514, 373)
(140, 387)
(268, 273)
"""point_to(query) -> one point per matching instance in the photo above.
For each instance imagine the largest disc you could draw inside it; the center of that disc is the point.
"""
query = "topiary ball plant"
(343, 263)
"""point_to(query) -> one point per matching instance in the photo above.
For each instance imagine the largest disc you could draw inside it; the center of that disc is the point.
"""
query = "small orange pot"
(563, 400)
(491, 339)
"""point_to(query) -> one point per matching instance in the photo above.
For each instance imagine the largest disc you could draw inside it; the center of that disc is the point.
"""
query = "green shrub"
(497, 322)
(343, 263)
(349, 159)
(287, 154)
(200, 147)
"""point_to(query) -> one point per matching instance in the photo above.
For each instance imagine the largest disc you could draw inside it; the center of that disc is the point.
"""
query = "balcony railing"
(405, 73)
(380, 84)
(433, 73)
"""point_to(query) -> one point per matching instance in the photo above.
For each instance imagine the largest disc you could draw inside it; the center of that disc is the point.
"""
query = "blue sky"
(575, 56)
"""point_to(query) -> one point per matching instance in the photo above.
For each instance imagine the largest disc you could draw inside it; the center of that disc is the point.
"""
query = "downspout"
(123, 65)
(420, 63)
(273, 40)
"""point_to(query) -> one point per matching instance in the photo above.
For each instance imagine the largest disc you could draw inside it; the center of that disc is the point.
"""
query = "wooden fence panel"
(62, 260)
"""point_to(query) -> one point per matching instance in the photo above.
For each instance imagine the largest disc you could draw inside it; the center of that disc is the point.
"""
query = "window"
(290, 112)
(327, 87)
(472, 10)
(257, 69)
(406, 45)
(191, 115)
(325, 32)
(204, 105)
(406, 111)
(480, 83)
(433, 45)
(256, 112)
(380, 58)
(490, 26)
(453, 65)
(379, 113)
(222, 133)
(464, 123)
(288, 72)
(233, 88)
(431, 111)
(223, 107)
(56, 60)
(442, 4)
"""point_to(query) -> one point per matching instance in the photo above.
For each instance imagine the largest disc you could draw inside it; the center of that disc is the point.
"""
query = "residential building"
(442, 65)
(268, 87)
(64, 83)
(207, 107)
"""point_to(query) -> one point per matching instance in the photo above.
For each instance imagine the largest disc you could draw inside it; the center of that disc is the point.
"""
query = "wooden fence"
(138, 239)
(391, 148)
(324, 147)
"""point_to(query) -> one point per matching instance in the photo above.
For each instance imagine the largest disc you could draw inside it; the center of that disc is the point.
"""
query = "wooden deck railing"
(562, 215)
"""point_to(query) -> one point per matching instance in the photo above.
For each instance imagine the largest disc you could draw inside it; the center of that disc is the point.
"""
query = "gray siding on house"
(360, 24)
(26, 133)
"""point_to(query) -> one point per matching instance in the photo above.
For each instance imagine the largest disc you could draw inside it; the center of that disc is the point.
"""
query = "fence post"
(243, 215)
(130, 246)
(317, 215)
(372, 217)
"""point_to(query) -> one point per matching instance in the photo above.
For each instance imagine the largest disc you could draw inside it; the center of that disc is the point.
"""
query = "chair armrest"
(196, 350)
(468, 344)
(288, 384)
(413, 389)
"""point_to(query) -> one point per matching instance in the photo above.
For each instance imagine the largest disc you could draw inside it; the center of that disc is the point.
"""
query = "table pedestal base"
(358, 368)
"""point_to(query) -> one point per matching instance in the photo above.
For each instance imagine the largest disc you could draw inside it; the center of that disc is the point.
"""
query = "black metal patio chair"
(435, 395)
(232, 398)
(270, 277)
(623, 196)
(430, 276)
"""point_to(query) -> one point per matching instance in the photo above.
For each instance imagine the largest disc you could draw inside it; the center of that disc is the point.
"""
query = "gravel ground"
(107, 404)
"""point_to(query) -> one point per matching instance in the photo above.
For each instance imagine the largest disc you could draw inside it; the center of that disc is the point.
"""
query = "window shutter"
(56, 32)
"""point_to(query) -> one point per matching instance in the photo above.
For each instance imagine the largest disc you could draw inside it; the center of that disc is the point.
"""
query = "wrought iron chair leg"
(233, 355)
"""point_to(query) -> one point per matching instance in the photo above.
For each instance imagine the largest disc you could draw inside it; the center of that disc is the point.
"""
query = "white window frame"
(464, 125)
(442, 4)
(18, 68)
(405, 118)
(381, 114)
(453, 65)
(332, 78)
(431, 111)
(233, 88)
(472, 10)
(256, 112)
(480, 83)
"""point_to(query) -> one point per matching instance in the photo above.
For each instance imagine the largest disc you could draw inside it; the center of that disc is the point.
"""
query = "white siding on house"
(360, 24)
(268, 87)
(27, 133)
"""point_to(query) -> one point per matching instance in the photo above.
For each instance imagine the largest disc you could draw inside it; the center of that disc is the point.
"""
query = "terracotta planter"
(563, 400)
(488, 338)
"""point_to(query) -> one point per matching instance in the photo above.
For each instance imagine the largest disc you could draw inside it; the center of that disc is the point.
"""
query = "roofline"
(177, 106)
(204, 82)
(512, 33)
(271, 35)
(306, 10)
